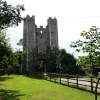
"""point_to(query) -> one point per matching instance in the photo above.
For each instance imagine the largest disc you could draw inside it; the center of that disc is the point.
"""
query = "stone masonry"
(37, 40)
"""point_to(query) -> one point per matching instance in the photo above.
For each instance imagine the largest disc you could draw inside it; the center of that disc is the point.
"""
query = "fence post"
(68, 79)
(77, 80)
(96, 89)
(91, 84)
(60, 77)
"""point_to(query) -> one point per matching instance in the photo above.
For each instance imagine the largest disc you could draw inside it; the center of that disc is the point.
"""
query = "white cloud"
(73, 17)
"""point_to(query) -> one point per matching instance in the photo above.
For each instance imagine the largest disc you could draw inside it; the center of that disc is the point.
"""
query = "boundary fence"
(76, 81)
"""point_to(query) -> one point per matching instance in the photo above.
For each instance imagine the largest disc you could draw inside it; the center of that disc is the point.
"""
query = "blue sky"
(73, 17)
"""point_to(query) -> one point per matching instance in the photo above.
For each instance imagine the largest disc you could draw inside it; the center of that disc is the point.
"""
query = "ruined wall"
(29, 42)
(42, 40)
(37, 40)
(53, 32)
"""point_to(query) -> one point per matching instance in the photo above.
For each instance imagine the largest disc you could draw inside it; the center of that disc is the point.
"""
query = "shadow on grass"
(36, 75)
(3, 78)
(9, 95)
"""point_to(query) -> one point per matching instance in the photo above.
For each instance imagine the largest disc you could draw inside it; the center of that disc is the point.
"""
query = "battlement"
(28, 16)
(52, 18)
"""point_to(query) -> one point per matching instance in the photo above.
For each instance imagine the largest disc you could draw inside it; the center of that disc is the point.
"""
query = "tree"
(58, 61)
(10, 15)
(90, 45)
(83, 61)
(53, 60)
(5, 48)
(47, 62)
(9, 63)
(9, 60)
(68, 63)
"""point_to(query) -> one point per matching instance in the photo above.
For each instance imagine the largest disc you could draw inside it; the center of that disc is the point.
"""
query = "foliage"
(8, 58)
(68, 64)
(20, 43)
(10, 15)
(5, 48)
(53, 60)
(58, 61)
(83, 61)
(40, 65)
(90, 45)
(10, 61)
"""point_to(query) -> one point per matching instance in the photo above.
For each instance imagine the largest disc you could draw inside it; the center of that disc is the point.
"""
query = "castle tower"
(37, 40)
(53, 32)
(29, 42)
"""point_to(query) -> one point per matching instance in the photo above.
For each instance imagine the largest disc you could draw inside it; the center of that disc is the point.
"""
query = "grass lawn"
(23, 88)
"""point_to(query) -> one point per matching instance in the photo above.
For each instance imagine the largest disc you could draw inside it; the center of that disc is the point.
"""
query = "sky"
(73, 17)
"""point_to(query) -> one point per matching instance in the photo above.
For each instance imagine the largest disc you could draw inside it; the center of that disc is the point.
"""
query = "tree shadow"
(36, 75)
(10, 95)
(3, 78)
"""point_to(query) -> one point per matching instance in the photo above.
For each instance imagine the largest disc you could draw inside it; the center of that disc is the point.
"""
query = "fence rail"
(76, 81)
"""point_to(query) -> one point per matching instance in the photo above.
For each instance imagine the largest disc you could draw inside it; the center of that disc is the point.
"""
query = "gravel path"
(83, 81)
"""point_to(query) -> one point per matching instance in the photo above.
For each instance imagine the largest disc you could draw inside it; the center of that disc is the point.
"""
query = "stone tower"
(37, 40)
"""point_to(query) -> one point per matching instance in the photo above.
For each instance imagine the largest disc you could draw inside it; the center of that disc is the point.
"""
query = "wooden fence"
(76, 81)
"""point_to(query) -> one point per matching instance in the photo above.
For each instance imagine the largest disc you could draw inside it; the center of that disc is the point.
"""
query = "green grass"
(24, 88)
(95, 80)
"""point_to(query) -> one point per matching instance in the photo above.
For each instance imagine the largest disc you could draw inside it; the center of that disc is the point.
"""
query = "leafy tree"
(9, 60)
(10, 15)
(83, 61)
(47, 62)
(90, 45)
(40, 65)
(68, 63)
(53, 58)
(5, 48)
(9, 63)
(58, 61)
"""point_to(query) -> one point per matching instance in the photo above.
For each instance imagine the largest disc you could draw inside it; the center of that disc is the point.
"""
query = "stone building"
(37, 41)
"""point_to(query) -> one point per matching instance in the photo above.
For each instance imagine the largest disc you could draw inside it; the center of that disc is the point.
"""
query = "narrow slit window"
(41, 32)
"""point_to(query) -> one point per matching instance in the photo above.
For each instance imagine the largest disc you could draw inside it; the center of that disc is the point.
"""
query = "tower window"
(41, 32)
(36, 33)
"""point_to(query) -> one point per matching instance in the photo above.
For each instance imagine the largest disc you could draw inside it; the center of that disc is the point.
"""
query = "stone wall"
(37, 40)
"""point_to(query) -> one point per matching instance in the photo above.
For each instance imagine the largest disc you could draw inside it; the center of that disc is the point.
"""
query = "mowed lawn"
(16, 87)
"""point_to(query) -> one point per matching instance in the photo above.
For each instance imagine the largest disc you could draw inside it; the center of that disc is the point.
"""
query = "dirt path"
(81, 81)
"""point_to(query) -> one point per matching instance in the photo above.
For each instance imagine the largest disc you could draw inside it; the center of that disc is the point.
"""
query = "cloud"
(73, 17)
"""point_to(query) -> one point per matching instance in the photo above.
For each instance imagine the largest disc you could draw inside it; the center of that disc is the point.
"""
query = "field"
(16, 87)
